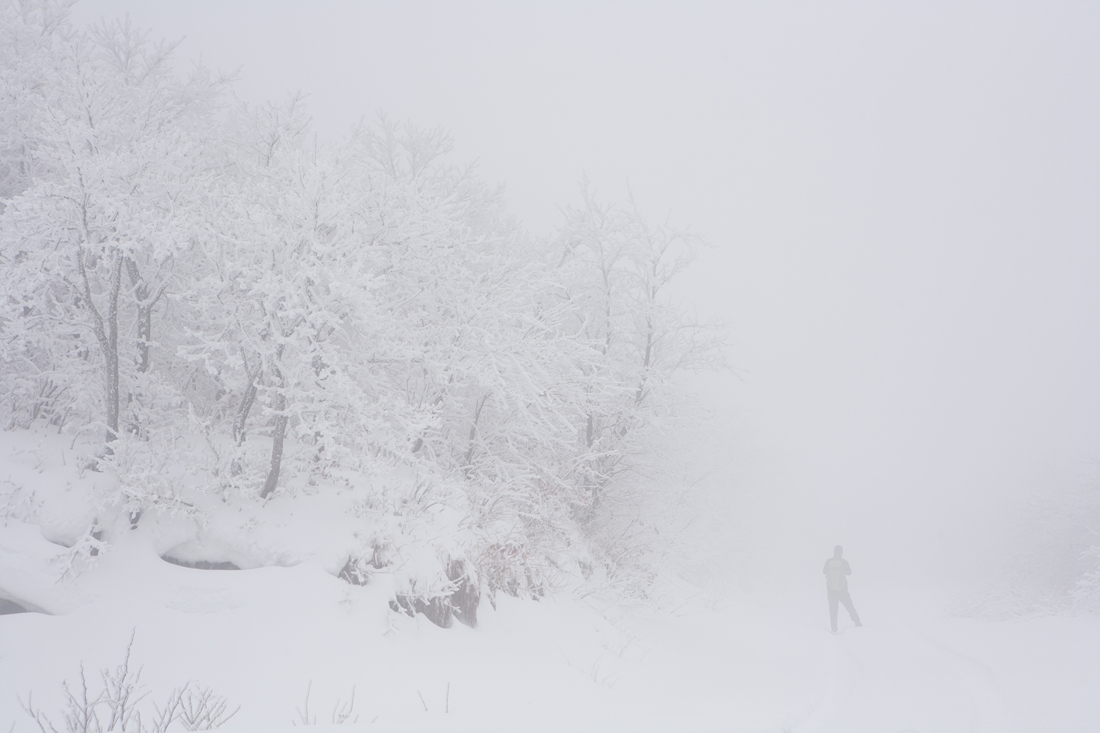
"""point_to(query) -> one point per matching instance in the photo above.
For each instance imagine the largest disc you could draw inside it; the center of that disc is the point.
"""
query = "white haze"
(902, 201)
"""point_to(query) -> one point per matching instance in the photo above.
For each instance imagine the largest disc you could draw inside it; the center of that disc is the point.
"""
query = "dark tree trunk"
(276, 450)
(245, 407)
(106, 333)
(145, 303)
(471, 444)
(646, 362)
(281, 420)
(111, 355)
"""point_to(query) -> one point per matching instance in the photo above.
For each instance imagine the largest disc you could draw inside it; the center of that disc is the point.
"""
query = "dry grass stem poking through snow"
(342, 712)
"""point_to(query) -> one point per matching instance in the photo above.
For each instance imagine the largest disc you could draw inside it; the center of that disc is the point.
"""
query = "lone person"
(836, 572)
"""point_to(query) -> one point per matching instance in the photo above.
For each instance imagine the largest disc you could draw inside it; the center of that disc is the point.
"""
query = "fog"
(901, 203)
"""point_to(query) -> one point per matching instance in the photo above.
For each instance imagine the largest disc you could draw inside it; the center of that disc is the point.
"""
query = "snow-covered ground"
(693, 658)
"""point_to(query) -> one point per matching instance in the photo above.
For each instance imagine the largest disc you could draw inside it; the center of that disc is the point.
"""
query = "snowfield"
(313, 422)
(289, 645)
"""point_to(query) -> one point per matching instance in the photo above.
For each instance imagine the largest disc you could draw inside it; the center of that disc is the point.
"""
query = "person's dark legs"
(847, 599)
(833, 601)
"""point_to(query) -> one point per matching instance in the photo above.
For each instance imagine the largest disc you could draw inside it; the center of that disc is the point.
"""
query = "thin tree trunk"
(106, 333)
(276, 450)
(245, 407)
(111, 354)
(471, 444)
(145, 313)
(640, 394)
(277, 442)
(112, 351)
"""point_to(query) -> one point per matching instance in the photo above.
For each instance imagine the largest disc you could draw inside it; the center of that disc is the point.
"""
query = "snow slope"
(265, 637)
(261, 637)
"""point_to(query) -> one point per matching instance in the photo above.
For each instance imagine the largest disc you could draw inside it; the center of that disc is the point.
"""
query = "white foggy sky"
(903, 201)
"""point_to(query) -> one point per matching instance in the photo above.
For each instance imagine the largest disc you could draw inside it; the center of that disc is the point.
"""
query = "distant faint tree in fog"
(29, 34)
(1052, 564)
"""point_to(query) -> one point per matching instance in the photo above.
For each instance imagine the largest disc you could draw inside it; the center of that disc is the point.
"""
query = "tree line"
(174, 260)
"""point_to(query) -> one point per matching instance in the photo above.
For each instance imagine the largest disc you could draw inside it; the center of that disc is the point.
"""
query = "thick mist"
(901, 206)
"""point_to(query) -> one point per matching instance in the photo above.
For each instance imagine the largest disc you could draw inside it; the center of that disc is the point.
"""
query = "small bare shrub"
(117, 705)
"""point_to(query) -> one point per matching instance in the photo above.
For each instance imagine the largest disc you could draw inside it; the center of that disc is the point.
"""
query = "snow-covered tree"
(89, 247)
(485, 359)
(615, 268)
